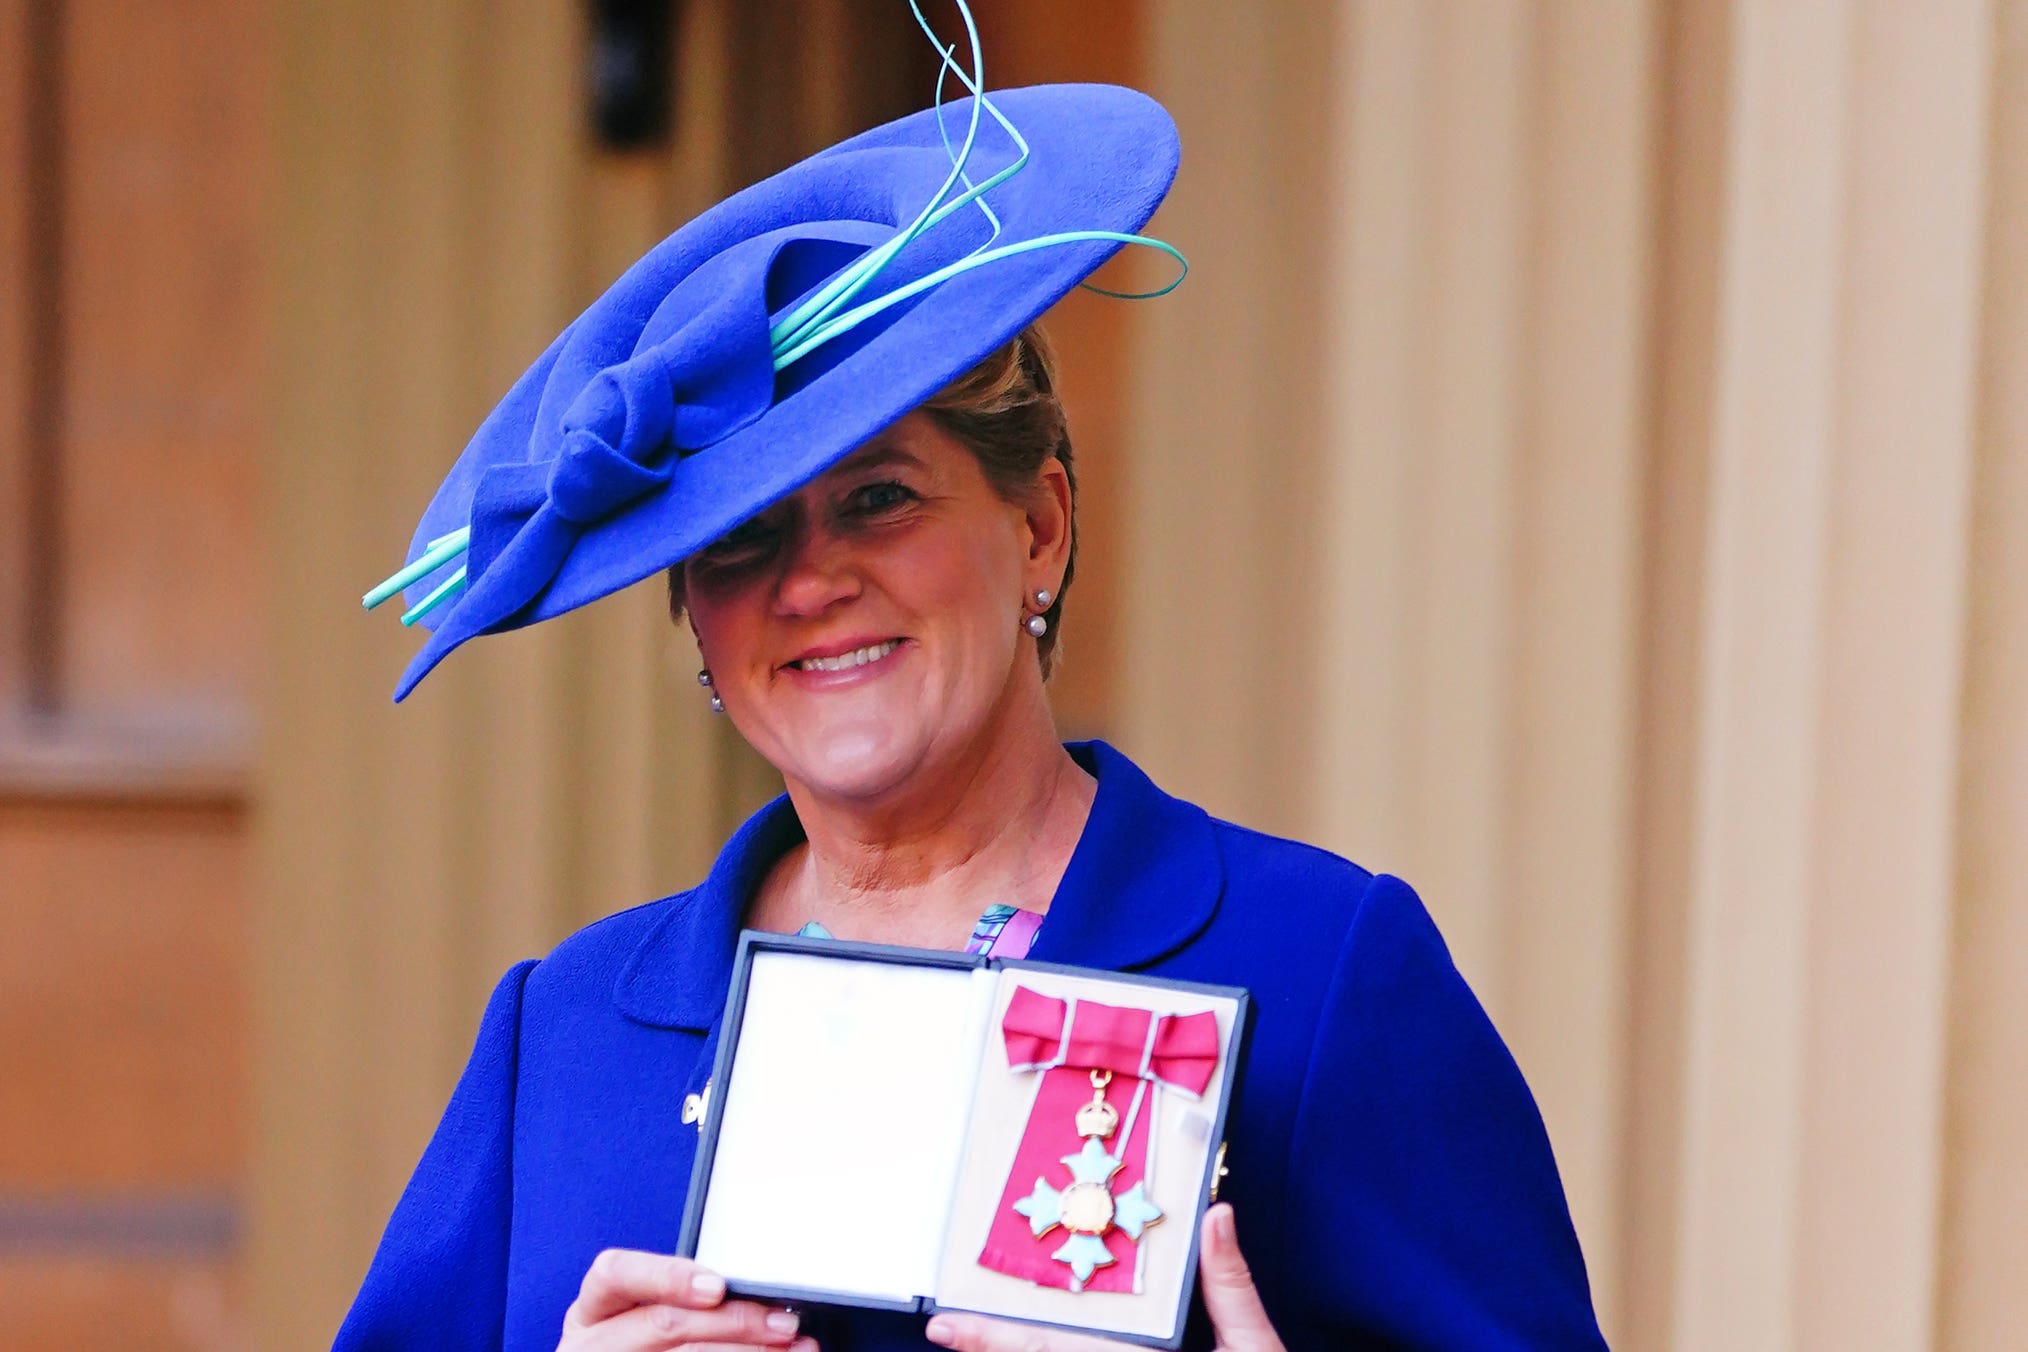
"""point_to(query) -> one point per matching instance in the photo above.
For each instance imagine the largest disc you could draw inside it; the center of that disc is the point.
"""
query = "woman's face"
(868, 628)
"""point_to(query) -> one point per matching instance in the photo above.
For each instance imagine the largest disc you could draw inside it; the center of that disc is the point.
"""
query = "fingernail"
(1221, 1224)
(781, 1321)
(940, 1332)
(708, 1285)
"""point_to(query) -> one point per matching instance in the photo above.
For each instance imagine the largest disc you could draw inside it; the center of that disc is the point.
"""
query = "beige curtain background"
(441, 214)
(1608, 515)
(1584, 474)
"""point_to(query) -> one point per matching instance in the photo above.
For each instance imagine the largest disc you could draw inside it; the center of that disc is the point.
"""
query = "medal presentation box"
(911, 1130)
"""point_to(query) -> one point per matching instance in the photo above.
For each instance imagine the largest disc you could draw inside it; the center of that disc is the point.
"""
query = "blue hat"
(766, 339)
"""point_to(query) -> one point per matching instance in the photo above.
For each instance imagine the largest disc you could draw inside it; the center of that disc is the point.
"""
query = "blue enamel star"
(1134, 1213)
(1093, 1164)
(1042, 1208)
(1086, 1254)
(1088, 1210)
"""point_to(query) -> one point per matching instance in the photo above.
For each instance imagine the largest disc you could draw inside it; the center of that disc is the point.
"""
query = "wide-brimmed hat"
(763, 341)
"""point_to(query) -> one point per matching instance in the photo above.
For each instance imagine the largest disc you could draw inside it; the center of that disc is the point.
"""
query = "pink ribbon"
(1065, 1040)
(1183, 1052)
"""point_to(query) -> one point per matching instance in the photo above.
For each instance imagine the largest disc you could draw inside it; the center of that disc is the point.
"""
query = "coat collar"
(1144, 880)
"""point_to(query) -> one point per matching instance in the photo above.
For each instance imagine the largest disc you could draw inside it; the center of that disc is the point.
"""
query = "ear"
(679, 613)
(1048, 519)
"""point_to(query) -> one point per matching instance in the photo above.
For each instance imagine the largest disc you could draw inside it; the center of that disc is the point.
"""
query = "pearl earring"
(1036, 624)
(704, 679)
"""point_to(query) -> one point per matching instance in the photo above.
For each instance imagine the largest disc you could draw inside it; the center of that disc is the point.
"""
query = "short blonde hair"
(1005, 411)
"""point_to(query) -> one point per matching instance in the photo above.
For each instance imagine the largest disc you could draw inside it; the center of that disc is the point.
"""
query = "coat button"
(694, 1106)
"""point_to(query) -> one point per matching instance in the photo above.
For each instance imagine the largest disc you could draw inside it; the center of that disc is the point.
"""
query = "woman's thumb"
(1229, 1295)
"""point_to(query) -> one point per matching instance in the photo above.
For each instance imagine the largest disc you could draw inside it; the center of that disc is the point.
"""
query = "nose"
(818, 572)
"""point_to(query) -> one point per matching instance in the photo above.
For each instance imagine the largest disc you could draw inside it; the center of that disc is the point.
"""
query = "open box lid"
(864, 1118)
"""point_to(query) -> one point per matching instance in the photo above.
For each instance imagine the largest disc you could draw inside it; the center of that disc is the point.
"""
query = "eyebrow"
(879, 454)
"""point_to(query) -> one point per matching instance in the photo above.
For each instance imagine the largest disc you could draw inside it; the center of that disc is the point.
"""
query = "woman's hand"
(646, 1302)
(1229, 1298)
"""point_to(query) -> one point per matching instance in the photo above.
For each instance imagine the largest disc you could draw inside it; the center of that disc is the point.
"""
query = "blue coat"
(1392, 1179)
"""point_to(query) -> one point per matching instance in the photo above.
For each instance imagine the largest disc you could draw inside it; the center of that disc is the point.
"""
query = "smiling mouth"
(858, 657)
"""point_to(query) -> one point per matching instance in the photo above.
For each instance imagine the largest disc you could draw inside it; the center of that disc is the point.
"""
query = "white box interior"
(869, 1123)
(843, 1123)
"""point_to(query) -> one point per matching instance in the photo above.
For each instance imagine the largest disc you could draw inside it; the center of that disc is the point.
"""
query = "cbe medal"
(1087, 1208)
(1085, 1232)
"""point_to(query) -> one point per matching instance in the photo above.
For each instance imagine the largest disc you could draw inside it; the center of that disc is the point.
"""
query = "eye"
(884, 496)
(751, 536)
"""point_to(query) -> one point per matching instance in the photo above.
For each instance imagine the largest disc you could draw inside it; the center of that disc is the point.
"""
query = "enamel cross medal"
(1087, 1208)
(1076, 1048)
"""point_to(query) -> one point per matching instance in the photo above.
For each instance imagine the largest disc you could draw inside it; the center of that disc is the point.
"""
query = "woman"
(875, 580)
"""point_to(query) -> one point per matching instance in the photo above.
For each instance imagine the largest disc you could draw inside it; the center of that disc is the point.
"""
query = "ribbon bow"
(1180, 1051)
(703, 370)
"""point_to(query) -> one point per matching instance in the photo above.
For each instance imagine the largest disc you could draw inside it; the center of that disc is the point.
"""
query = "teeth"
(858, 657)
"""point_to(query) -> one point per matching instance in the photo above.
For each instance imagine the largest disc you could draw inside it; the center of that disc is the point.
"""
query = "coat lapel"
(1144, 880)
(678, 974)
